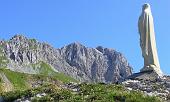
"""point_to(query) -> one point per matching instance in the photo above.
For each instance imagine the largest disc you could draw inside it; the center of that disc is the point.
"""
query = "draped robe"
(147, 40)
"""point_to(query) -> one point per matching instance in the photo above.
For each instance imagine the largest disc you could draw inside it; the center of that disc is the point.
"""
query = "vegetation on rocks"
(3, 59)
(47, 70)
(17, 79)
(23, 81)
(86, 93)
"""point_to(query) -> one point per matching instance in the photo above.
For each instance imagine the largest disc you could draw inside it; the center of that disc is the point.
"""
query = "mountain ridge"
(76, 60)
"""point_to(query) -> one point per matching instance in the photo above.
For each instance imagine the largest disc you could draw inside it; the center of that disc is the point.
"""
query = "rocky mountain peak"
(100, 48)
(19, 37)
(83, 63)
(75, 45)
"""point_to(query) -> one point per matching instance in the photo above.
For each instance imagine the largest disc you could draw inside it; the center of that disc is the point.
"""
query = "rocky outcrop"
(83, 63)
(145, 75)
(159, 87)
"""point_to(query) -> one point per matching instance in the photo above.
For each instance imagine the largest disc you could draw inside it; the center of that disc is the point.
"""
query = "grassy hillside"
(48, 82)
(46, 70)
(17, 79)
(86, 93)
(22, 81)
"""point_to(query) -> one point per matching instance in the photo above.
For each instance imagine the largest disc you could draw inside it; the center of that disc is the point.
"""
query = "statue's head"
(145, 6)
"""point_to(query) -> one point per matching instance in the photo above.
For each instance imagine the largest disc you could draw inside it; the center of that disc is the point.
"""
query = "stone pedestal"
(152, 68)
(145, 75)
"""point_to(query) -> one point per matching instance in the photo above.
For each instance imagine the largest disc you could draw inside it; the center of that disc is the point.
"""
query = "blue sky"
(109, 23)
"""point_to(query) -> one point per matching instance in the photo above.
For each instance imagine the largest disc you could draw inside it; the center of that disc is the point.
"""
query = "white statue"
(147, 41)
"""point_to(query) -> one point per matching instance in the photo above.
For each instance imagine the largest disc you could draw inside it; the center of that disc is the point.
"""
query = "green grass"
(87, 93)
(64, 78)
(20, 81)
(17, 79)
(45, 69)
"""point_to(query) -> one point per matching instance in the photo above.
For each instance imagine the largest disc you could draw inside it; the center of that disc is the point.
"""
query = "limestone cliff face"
(83, 63)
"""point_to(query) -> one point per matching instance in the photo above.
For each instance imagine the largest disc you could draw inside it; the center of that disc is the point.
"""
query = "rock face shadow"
(147, 75)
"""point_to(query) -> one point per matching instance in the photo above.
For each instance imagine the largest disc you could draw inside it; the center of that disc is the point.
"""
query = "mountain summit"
(80, 62)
